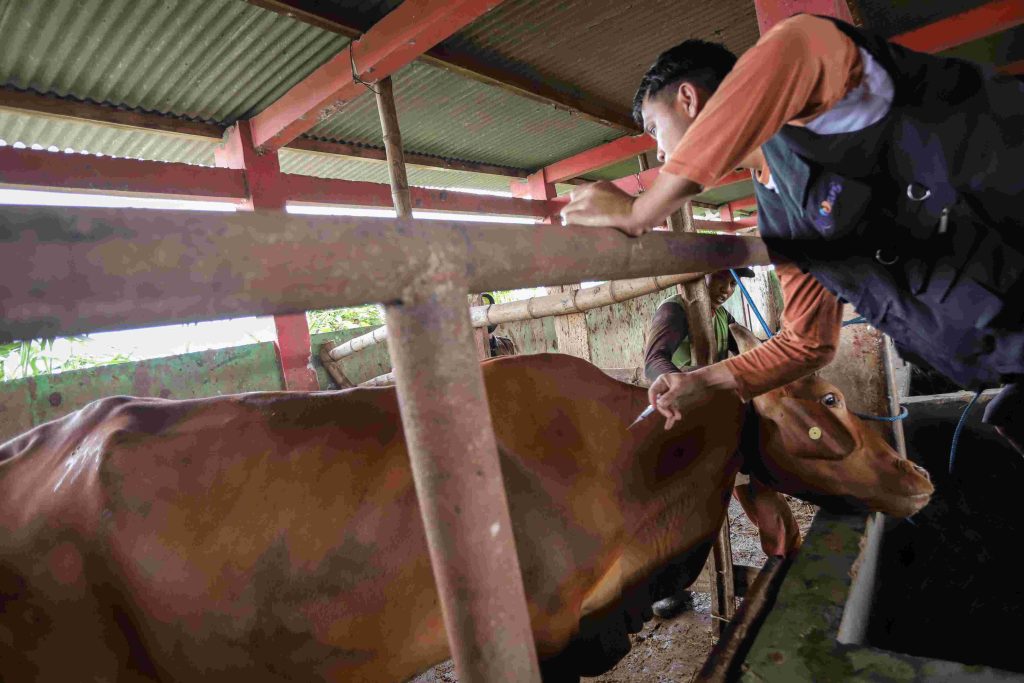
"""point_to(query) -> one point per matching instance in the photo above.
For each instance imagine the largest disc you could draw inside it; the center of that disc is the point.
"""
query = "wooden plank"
(57, 171)
(50, 106)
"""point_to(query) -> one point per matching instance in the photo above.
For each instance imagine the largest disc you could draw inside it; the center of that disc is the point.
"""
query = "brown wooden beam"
(324, 16)
(48, 106)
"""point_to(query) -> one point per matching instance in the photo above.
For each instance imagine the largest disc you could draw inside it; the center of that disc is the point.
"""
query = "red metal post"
(400, 37)
(267, 192)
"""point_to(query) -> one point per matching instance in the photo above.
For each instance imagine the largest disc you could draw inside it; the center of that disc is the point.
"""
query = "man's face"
(669, 114)
(720, 287)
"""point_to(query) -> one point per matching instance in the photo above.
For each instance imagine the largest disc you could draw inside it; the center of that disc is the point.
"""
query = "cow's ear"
(809, 430)
(745, 339)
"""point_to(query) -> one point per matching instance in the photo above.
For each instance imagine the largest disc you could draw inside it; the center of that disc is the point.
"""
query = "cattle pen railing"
(84, 270)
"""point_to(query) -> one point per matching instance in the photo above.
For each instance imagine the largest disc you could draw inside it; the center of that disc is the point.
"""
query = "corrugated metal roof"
(600, 47)
(593, 48)
(214, 60)
(81, 136)
(446, 115)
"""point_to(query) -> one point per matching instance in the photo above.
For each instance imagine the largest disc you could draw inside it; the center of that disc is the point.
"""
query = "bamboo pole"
(393, 148)
(703, 345)
(633, 376)
(562, 303)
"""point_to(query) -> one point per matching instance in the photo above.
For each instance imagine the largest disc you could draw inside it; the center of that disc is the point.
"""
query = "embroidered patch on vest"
(828, 204)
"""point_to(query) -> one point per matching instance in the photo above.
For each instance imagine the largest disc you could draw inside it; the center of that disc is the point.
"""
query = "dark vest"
(917, 220)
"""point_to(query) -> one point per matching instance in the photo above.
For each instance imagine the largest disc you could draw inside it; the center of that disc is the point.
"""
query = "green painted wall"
(25, 403)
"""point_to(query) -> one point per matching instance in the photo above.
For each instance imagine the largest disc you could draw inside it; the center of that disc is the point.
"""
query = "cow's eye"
(830, 400)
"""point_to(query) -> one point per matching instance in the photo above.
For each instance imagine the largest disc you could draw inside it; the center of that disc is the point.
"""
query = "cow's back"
(246, 533)
(277, 535)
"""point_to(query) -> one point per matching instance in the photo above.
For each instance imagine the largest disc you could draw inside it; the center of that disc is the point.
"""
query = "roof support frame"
(400, 37)
(465, 65)
(265, 191)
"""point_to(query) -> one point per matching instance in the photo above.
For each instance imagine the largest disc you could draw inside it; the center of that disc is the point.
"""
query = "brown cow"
(276, 536)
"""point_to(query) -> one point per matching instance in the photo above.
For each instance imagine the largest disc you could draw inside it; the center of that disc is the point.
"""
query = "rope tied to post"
(355, 74)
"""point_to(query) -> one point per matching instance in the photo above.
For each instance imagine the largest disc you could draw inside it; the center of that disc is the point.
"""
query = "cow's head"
(812, 447)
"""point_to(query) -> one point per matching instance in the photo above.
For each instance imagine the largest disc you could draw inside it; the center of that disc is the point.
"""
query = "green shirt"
(682, 357)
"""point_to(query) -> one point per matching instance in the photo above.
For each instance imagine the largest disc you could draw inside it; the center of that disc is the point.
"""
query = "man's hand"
(601, 204)
(673, 392)
(664, 392)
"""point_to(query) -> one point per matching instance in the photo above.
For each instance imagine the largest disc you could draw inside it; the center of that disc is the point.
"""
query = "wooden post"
(697, 304)
(454, 457)
(570, 330)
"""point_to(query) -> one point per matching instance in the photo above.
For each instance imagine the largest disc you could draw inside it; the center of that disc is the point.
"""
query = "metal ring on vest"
(918, 192)
(885, 259)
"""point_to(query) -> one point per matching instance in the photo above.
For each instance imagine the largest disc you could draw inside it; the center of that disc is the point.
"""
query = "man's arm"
(668, 328)
(754, 101)
(811, 321)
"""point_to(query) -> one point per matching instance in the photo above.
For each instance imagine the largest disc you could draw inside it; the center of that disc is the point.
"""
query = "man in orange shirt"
(885, 177)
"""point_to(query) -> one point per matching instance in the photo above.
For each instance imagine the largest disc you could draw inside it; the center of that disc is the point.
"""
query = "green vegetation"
(332, 319)
(37, 357)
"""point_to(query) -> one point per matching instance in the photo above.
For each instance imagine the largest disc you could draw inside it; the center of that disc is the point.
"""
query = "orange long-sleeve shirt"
(811, 322)
(798, 70)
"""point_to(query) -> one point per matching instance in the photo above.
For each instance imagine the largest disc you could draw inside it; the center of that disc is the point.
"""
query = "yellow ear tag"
(814, 433)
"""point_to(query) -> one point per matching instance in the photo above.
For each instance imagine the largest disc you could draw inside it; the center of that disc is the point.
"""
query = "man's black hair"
(697, 61)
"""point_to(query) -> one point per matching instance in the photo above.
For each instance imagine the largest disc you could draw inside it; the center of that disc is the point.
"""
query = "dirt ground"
(673, 650)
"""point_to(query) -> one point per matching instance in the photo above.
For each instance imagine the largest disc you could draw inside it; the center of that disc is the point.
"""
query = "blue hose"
(959, 428)
(854, 321)
(753, 306)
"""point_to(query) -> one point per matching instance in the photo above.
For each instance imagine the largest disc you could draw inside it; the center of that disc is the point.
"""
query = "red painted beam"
(989, 19)
(640, 182)
(32, 169)
(598, 157)
(404, 34)
(56, 171)
(771, 12)
(301, 188)
(1013, 68)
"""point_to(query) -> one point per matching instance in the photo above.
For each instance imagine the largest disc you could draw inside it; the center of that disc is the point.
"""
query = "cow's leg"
(771, 514)
(670, 587)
